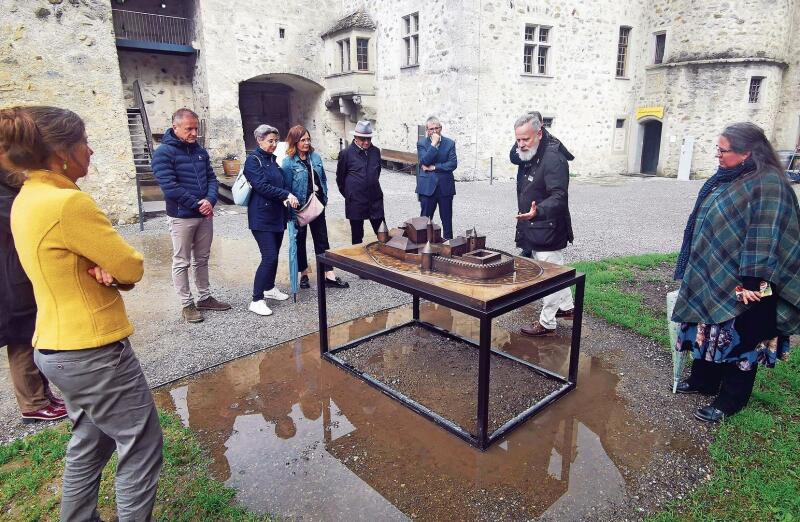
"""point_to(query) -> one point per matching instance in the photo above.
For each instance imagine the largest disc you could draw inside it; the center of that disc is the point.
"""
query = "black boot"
(705, 378)
(737, 386)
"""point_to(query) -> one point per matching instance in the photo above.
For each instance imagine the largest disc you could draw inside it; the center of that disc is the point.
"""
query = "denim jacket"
(296, 176)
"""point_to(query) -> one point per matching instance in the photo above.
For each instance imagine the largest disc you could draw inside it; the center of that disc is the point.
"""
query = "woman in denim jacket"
(306, 175)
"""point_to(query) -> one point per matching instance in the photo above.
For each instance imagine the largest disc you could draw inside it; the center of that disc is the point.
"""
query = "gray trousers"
(191, 245)
(111, 407)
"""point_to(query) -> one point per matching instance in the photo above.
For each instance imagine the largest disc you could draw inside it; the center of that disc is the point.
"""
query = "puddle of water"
(298, 437)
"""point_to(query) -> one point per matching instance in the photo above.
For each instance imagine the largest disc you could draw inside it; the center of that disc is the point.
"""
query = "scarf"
(722, 175)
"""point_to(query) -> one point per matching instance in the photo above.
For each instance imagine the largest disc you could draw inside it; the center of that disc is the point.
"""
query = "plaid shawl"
(746, 227)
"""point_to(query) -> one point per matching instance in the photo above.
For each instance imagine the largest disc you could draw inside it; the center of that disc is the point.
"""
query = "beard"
(529, 154)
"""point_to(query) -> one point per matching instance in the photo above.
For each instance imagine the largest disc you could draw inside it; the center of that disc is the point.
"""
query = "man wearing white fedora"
(358, 178)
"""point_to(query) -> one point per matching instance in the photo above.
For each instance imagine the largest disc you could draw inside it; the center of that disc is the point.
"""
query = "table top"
(482, 295)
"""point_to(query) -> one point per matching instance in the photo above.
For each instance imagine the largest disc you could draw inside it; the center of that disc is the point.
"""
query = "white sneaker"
(275, 294)
(260, 308)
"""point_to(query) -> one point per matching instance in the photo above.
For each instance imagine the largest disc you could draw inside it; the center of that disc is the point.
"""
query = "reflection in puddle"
(300, 438)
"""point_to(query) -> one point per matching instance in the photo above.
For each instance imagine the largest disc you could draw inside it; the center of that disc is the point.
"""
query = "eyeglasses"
(720, 152)
(434, 129)
(363, 138)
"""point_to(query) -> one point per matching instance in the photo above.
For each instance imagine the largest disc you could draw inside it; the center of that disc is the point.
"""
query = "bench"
(398, 160)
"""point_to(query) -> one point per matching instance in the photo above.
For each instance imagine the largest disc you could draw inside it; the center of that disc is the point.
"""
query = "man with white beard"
(544, 226)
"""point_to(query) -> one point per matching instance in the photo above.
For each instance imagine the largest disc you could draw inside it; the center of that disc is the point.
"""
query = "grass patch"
(756, 454)
(756, 458)
(604, 299)
(31, 468)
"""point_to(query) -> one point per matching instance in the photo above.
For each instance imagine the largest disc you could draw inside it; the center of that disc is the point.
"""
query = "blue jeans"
(269, 243)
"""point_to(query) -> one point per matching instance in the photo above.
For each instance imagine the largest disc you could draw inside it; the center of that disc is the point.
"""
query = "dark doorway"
(261, 103)
(651, 146)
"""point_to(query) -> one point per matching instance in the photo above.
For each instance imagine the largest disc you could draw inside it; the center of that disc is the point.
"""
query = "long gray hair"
(749, 137)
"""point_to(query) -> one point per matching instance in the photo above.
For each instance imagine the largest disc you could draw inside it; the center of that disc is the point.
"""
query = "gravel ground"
(611, 216)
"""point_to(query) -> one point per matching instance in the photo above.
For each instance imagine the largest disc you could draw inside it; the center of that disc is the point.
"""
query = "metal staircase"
(148, 193)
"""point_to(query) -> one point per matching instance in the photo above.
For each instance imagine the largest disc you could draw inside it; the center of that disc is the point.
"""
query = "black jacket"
(265, 210)
(17, 305)
(185, 175)
(545, 180)
(358, 175)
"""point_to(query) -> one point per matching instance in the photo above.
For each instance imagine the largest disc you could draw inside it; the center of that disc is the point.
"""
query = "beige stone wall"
(63, 53)
(165, 80)
(240, 43)
(471, 76)
(712, 51)
(787, 126)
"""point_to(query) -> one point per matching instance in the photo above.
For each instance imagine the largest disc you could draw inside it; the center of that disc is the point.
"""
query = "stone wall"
(165, 80)
(239, 43)
(787, 125)
(712, 51)
(63, 53)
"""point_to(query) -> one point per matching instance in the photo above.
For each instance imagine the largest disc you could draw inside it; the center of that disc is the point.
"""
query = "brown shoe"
(48, 413)
(537, 330)
(209, 303)
(566, 314)
(191, 314)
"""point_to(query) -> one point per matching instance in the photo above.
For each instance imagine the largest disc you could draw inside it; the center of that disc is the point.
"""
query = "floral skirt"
(721, 343)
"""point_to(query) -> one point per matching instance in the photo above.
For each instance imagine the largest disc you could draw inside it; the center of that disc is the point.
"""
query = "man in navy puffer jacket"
(183, 171)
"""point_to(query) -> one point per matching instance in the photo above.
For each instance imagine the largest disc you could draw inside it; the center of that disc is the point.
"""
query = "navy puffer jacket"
(265, 210)
(184, 172)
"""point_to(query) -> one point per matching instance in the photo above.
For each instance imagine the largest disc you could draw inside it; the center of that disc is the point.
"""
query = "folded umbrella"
(678, 358)
(293, 280)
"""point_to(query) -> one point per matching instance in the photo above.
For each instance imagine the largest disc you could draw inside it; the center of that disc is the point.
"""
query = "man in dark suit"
(435, 183)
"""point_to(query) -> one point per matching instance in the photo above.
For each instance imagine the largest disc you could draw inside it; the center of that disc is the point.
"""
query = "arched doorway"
(651, 146)
(280, 100)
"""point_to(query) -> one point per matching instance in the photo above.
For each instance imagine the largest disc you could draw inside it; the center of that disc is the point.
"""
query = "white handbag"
(241, 188)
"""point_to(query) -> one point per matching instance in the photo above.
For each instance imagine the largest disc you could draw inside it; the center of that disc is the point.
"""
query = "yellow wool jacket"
(60, 233)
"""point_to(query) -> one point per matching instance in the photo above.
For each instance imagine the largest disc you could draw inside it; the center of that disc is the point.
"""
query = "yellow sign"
(644, 112)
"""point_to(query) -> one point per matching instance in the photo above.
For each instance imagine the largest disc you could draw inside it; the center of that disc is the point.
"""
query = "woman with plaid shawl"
(739, 298)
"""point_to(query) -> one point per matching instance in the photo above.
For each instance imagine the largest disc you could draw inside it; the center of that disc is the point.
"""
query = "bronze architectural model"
(419, 241)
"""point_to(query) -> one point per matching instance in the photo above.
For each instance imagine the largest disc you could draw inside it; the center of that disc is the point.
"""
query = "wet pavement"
(300, 438)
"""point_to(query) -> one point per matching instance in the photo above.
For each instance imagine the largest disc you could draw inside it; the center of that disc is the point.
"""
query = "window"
(344, 55)
(281, 32)
(411, 39)
(620, 123)
(547, 123)
(362, 54)
(622, 51)
(421, 132)
(755, 89)
(536, 50)
(661, 44)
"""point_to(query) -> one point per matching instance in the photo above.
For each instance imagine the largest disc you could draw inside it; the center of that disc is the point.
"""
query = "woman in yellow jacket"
(77, 263)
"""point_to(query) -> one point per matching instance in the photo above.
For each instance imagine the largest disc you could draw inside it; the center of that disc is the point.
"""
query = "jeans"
(269, 244)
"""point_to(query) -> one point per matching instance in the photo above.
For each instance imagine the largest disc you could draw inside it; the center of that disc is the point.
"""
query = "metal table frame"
(443, 297)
